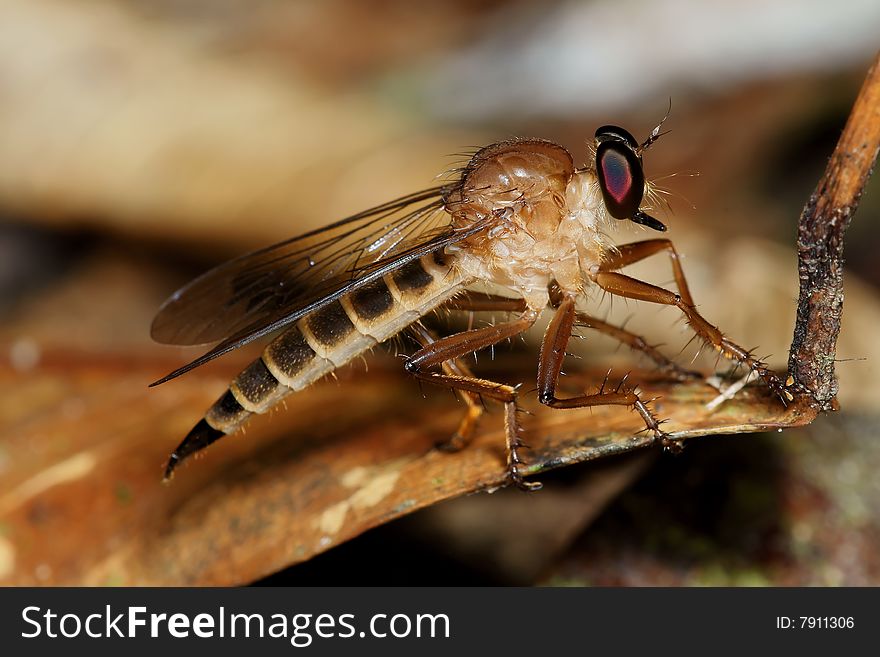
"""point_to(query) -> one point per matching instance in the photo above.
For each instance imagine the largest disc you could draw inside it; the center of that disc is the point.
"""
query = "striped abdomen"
(324, 340)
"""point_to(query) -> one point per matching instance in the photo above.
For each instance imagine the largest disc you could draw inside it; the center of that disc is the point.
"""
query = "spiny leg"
(632, 288)
(628, 254)
(637, 343)
(553, 348)
(460, 344)
(455, 367)
(469, 302)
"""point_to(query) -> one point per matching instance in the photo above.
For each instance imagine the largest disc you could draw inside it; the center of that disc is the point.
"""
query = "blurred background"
(141, 143)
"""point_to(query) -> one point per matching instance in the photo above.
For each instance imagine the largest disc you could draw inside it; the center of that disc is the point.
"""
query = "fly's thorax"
(533, 244)
(583, 197)
(526, 175)
(513, 257)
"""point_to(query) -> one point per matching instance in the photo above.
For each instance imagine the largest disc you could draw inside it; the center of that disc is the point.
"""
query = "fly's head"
(621, 174)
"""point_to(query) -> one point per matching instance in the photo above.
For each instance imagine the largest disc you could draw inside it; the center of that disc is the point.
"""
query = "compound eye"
(621, 178)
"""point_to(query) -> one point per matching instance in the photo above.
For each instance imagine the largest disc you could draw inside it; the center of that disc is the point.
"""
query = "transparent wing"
(251, 296)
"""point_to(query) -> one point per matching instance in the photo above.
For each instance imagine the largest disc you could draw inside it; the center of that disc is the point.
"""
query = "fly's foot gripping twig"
(745, 357)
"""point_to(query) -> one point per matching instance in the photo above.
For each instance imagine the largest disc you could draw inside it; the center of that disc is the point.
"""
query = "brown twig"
(820, 246)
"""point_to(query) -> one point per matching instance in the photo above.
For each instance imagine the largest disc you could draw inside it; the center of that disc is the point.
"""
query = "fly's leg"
(632, 288)
(470, 302)
(461, 344)
(637, 343)
(455, 367)
(476, 302)
(628, 254)
(553, 348)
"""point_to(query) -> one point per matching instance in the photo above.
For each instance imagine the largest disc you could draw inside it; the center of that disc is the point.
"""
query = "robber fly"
(519, 215)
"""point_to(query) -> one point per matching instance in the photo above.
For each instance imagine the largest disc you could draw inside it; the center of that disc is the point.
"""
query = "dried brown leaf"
(85, 443)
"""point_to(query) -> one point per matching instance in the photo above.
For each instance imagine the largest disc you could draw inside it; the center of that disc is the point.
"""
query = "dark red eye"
(620, 177)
